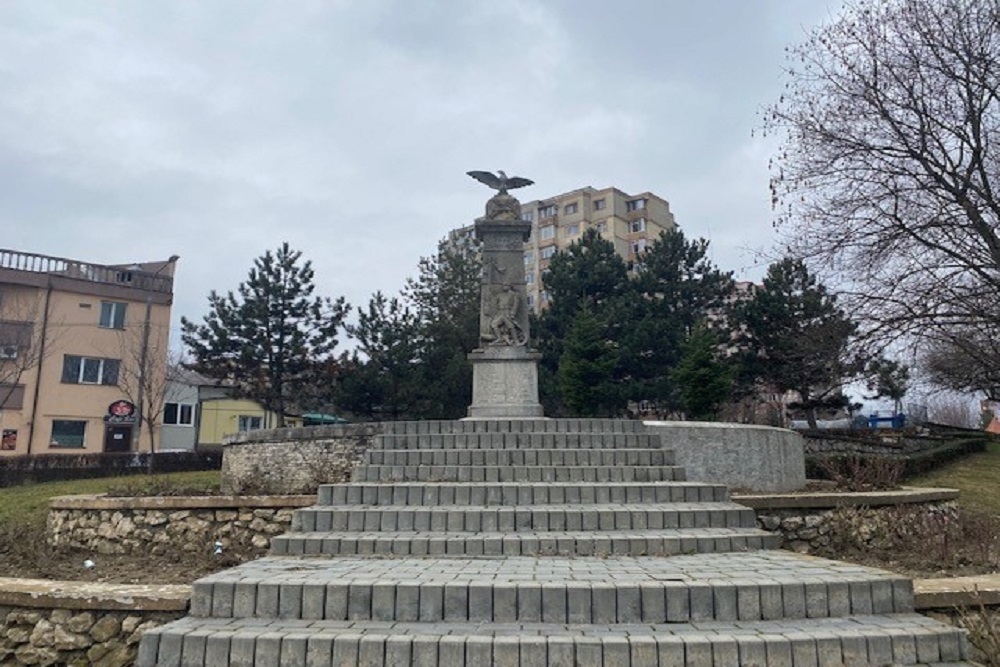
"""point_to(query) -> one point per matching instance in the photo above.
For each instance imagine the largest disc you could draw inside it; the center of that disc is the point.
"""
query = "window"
(11, 396)
(572, 230)
(635, 205)
(178, 414)
(548, 252)
(638, 246)
(546, 211)
(547, 232)
(570, 209)
(8, 351)
(112, 315)
(529, 278)
(600, 204)
(90, 370)
(544, 295)
(601, 227)
(531, 300)
(528, 216)
(250, 423)
(529, 258)
(67, 433)
(637, 225)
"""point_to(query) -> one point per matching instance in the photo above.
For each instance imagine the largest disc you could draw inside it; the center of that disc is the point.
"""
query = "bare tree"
(967, 359)
(21, 346)
(887, 174)
(142, 375)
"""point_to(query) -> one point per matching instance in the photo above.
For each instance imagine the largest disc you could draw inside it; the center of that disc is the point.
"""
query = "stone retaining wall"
(105, 525)
(72, 623)
(807, 521)
(293, 460)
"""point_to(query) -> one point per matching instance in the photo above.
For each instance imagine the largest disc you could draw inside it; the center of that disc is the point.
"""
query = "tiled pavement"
(517, 543)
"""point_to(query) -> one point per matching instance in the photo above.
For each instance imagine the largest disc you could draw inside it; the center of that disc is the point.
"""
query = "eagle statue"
(500, 182)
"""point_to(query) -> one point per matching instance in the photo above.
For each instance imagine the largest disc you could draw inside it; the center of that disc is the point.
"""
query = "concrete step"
(522, 457)
(468, 473)
(513, 426)
(518, 493)
(554, 543)
(733, 587)
(518, 440)
(534, 518)
(854, 641)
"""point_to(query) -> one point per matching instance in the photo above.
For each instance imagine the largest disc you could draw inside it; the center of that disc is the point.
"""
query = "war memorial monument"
(510, 540)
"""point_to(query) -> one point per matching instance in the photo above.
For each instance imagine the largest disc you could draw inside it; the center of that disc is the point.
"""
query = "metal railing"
(126, 276)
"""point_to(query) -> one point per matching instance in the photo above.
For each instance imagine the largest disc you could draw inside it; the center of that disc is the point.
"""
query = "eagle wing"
(518, 182)
(487, 178)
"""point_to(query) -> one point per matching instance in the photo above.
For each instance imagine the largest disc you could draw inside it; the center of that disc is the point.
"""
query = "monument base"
(504, 383)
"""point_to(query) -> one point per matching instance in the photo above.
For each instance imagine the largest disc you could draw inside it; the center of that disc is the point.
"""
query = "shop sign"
(121, 412)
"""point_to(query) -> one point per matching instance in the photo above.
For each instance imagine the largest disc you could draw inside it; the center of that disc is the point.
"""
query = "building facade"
(630, 222)
(198, 412)
(83, 348)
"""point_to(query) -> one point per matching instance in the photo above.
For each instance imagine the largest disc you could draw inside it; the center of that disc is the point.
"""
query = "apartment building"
(630, 222)
(83, 347)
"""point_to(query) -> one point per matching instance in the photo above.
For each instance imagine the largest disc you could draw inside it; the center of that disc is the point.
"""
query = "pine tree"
(271, 335)
(445, 298)
(704, 377)
(796, 337)
(382, 381)
(587, 370)
(588, 274)
(677, 287)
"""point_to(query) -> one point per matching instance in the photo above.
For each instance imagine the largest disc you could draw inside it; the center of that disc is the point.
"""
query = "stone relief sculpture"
(504, 322)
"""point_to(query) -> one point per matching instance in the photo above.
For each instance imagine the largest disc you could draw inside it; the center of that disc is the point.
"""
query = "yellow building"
(83, 349)
(630, 222)
(224, 415)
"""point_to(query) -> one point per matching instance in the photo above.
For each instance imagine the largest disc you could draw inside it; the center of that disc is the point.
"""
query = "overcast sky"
(131, 131)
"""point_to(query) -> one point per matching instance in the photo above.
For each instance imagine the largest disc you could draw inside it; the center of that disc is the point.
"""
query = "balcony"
(133, 276)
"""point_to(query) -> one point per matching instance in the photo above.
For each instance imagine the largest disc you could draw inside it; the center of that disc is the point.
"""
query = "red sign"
(120, 412)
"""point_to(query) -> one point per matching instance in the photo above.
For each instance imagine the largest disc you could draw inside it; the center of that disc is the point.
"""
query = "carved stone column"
(504, 370)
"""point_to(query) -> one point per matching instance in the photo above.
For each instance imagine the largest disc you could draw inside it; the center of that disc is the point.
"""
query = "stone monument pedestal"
(504, 383)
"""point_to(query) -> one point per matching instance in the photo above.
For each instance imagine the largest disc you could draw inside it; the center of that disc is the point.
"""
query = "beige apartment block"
(83, 347)
(630, 222)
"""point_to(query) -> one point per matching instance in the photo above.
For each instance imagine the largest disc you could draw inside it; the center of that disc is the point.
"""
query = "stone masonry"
(541, 542)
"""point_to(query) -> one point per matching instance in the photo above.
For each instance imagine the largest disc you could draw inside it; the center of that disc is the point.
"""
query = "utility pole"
(140, 407)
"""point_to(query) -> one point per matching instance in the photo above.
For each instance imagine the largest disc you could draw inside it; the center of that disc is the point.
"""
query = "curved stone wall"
(745, 457)
(293, 460)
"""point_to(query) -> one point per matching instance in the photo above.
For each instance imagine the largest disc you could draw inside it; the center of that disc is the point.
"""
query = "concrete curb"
(906, 495)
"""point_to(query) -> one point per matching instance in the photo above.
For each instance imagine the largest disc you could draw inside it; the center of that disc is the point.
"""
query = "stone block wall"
(808, 522)
(293, 460)
(77, 624)
(100, 524)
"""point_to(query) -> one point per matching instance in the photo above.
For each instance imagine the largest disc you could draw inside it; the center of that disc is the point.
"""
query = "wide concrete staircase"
(541, 542)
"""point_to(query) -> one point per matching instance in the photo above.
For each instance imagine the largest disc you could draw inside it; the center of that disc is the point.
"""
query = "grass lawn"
(976, 476)
(19, 502)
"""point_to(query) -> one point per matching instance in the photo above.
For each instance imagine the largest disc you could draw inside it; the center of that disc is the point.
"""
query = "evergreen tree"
(587, 274)
(271, 335)
(796, 337)
(445, 298)
(587, 370)
(888, 379)
(704, 378)
(381, 379)
(677, 287)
